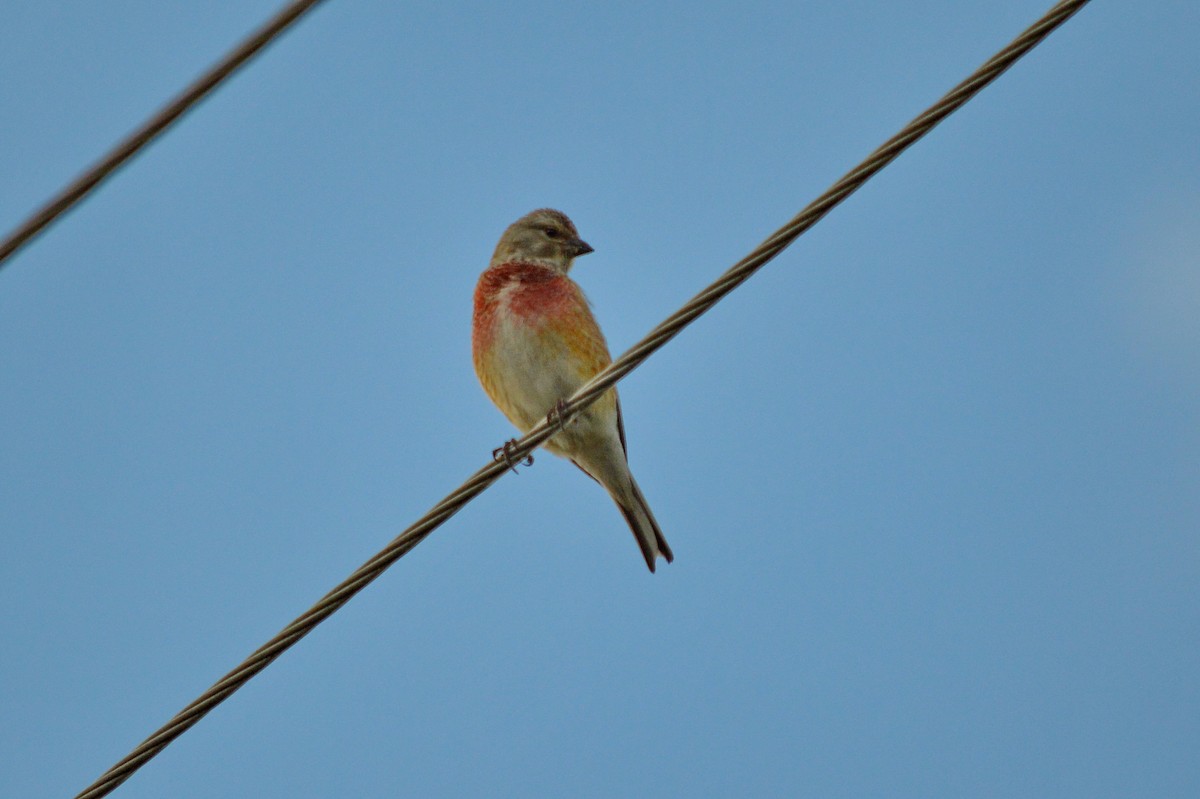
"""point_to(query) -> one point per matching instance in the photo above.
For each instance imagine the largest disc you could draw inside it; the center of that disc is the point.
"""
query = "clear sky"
(932, 478)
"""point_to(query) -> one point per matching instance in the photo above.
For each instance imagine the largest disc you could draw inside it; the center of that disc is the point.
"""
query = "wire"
(169, 113)
(588, 393)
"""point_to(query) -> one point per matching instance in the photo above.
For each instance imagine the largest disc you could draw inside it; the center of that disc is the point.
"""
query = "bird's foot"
(505, 454)
(556, 416)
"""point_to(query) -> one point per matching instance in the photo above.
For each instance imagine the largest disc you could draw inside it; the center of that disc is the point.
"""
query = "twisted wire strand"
(162, 119)
(588, 393)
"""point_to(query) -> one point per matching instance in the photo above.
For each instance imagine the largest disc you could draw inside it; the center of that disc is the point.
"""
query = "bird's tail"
(645, 528)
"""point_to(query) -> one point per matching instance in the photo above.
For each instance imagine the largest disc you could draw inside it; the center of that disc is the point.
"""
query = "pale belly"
(527, 371)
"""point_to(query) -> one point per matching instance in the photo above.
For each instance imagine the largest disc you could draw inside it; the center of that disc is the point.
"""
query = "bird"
(534, 341)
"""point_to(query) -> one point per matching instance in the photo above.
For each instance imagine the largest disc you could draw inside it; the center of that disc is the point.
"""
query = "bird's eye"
(551, 232)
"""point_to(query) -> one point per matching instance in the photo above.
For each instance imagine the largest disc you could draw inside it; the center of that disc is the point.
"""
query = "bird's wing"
(620, 423)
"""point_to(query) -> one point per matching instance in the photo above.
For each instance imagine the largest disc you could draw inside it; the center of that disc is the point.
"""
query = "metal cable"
(126, 149)
(587, 394)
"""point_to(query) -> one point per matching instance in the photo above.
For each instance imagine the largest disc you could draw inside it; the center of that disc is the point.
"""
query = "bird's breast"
(534, 340)
(520, 297)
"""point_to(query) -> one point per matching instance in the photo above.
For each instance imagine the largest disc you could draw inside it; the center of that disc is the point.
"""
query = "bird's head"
(545, 237)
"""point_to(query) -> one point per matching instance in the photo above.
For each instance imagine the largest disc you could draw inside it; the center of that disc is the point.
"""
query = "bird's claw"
(556, 417)
(505, 454)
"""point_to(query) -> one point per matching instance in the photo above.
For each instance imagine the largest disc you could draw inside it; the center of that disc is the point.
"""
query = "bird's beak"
(580, 247)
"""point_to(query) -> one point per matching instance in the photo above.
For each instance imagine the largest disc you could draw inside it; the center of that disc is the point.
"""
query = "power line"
(162, 119)
(588, 393)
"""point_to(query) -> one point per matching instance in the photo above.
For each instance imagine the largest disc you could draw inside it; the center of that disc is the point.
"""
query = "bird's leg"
(505, 454)
(555, 417)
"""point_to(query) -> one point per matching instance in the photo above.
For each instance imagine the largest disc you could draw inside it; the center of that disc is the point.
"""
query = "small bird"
(535, 341)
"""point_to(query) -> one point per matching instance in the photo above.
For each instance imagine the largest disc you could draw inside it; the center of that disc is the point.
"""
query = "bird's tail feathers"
(645, 527)
(614, 475)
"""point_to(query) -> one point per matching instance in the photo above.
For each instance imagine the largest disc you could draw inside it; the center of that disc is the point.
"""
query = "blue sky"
(932, 478)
